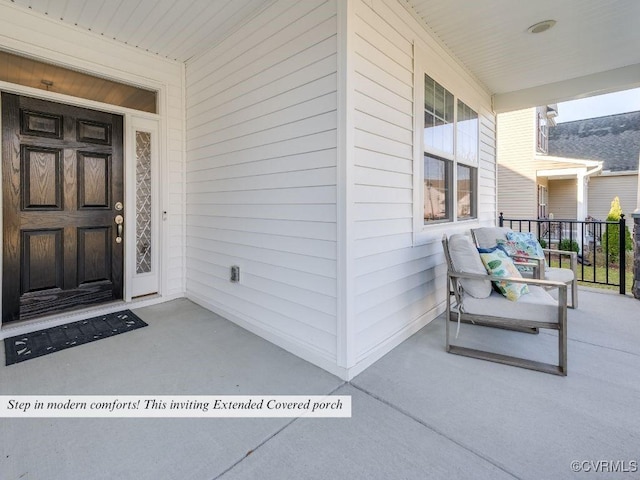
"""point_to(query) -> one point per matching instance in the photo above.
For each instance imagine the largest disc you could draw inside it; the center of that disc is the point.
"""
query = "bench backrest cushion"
(486, 237)
(465, 259)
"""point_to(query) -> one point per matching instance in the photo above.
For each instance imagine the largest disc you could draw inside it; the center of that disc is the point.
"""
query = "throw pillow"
(528, 242)
(498, 263)
(519, 251)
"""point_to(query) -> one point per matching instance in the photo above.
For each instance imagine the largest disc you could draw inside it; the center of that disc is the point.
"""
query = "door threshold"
(21, 327)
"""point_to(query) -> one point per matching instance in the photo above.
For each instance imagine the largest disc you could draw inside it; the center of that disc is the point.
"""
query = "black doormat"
(36, 344)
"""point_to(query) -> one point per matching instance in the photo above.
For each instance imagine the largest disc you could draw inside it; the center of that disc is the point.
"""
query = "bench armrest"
(495, 278)
(573, 256)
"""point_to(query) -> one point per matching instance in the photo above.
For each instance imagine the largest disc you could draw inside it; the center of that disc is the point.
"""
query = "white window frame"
(422, 232)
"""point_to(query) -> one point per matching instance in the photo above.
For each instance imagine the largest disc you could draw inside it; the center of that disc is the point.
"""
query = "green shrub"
(543, 242)
(611, 241)
(569, 245)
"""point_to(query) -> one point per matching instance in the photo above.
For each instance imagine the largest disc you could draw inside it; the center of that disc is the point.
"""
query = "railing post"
(636, 254)
(501, 220)
(623, 254)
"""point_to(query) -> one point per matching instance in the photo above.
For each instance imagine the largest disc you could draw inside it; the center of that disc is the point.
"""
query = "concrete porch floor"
(417, 413)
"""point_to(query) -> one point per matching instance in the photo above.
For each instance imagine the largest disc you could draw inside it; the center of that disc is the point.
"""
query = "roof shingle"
(614, 139)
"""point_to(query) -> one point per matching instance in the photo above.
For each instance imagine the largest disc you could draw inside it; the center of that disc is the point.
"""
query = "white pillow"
(466, 259)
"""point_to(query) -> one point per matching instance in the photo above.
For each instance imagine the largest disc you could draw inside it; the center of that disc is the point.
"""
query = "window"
(450, 140)
(437, 188)
(542, 201)
(542, 141)
(466, 192)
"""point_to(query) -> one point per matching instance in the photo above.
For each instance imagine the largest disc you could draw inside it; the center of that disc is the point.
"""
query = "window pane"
(467, 128)
(437, 189)
(438, 107)
(466, 182)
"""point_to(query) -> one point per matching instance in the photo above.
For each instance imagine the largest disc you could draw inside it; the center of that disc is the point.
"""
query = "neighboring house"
(567, 171)
(614, 142)
(321, 146)
(531, 183)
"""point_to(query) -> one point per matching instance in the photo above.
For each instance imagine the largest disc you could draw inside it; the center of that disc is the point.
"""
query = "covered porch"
(418, 412)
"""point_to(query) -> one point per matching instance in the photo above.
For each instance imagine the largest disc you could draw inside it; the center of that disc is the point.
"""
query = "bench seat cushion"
(537, 305)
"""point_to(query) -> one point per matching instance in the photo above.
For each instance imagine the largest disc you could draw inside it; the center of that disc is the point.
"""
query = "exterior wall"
(602, 190)
(273, 189)
(563, 200)
(45, 39)
(517, 190)
(398, 286)
(261, 177)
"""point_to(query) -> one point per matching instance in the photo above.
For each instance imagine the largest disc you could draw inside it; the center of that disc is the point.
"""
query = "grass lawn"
(587, 274)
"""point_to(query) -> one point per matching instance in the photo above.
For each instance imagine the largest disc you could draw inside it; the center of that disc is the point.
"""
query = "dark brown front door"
(62, 174)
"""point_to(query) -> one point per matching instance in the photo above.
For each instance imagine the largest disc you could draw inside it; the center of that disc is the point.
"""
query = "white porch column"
(581, 204)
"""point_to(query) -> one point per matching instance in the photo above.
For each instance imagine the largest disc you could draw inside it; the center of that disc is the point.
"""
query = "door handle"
(119, 227)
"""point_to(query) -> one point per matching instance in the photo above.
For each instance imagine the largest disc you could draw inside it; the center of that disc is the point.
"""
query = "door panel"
(41, 260)
(41, 178)
(94, 181)
(62, 175)
(94, 253)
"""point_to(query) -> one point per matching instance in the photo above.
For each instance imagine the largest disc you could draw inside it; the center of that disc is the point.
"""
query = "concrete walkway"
(417, 413)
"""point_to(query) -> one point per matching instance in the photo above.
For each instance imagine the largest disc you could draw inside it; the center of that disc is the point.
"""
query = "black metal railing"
(601, 245)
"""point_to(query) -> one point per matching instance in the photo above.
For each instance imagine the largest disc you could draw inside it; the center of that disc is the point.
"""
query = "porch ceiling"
(592, 49)
(173, 29)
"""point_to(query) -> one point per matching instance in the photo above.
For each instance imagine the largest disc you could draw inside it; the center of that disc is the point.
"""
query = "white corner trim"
(345, 315)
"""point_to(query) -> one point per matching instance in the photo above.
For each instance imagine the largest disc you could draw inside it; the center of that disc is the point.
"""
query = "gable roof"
(614, 139)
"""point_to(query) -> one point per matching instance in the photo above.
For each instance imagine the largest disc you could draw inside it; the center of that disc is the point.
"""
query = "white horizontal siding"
(396, 283)
(517, 187)
(261, 175)
(563, 199)
(603, 189)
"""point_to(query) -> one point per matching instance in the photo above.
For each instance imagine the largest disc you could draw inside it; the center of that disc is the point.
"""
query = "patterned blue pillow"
(528, 240)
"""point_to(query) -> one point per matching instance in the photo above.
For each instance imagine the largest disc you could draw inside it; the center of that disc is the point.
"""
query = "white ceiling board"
(173, 29)
(488, 37)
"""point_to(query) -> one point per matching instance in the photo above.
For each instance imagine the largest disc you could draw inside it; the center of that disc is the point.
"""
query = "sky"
(599, 106)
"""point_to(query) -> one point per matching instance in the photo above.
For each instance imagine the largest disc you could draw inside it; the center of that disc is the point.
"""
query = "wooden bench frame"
(506, 322)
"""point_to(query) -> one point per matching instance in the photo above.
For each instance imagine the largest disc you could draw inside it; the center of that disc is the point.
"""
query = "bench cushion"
(465, 259)
(537, 305)
(486, 236)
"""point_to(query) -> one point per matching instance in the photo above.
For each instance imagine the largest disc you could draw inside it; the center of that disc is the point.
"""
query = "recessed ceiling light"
(541, 26)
